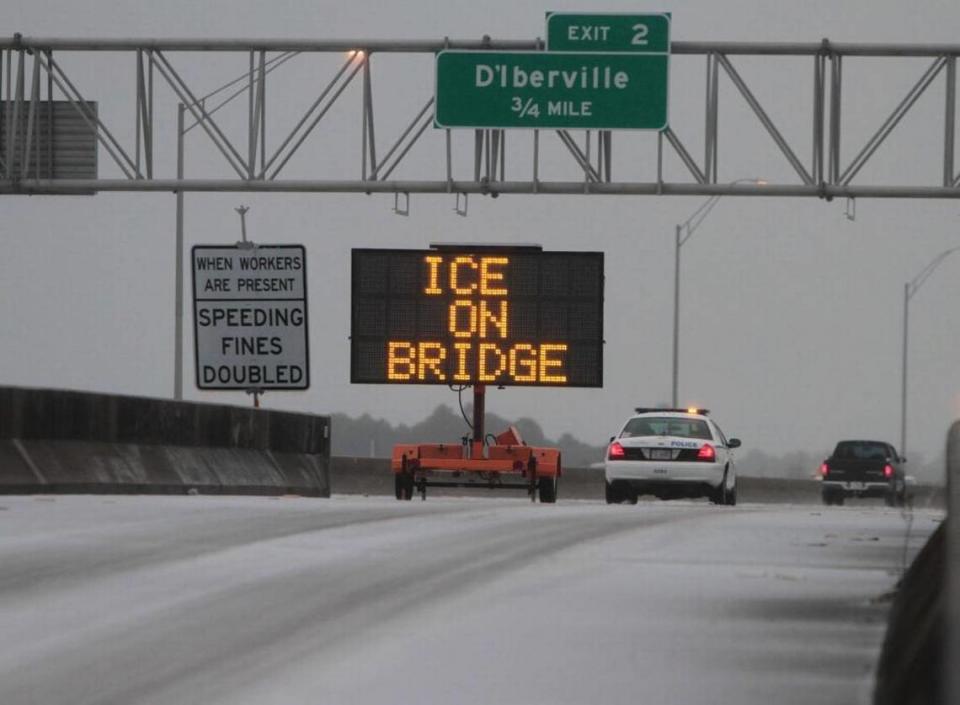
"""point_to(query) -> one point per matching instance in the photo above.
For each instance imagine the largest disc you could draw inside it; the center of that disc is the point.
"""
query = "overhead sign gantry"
(134, 145)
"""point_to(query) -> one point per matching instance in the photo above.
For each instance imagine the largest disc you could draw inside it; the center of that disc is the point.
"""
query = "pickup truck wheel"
(890, 499)
(548, 489)
(838, 500)
(827, 498)
(611, 494)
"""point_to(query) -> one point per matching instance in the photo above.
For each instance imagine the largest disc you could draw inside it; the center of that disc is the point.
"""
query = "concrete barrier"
(921, 648)
(63, 441)
(910, 668)
(951, 692)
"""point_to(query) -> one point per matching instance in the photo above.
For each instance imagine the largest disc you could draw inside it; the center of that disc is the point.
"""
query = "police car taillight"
(888, 470)
(706, 452)
(616, 451)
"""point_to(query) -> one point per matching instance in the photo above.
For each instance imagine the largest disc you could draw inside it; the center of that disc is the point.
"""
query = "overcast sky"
(791, 317)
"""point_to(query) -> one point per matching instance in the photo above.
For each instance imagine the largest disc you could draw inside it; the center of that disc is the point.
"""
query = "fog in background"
(791, 313)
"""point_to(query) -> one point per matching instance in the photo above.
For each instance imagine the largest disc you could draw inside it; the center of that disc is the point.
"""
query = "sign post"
(250, 317)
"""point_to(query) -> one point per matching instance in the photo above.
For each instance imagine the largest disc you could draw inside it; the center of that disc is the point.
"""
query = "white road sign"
(250, 317)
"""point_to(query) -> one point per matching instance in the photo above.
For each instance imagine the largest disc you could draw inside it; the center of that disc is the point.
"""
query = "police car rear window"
(667, 426)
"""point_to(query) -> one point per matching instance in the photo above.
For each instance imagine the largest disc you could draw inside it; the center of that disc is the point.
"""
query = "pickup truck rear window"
(860, 450)
(667, 426)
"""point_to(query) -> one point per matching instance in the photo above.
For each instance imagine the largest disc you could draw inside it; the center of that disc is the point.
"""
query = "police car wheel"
(719, 495)
(732, 497)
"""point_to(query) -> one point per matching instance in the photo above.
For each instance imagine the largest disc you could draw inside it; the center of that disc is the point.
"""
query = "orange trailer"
(507, 463)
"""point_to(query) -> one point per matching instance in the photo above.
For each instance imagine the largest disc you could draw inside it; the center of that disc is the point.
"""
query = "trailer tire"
(403, 486)
(547, 485)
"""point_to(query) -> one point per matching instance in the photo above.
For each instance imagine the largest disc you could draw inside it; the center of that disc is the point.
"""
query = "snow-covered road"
(249, 601)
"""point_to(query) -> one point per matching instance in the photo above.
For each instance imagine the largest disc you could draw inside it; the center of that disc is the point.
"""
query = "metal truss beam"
(483, 187)
(250, 165)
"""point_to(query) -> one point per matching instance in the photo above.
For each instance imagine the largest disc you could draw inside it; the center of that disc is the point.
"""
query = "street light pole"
(178, 296)
(676, 316)
(690, 225)
(909, 291)
(903, 372)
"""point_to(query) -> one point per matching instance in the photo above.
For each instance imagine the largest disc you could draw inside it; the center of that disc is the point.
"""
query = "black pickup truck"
(864, 469)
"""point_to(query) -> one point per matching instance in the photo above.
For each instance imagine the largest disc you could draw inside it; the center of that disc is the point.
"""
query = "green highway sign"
(598, 31)
(640, 33)
(551, 90)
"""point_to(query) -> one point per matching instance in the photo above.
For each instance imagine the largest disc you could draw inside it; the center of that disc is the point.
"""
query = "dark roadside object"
(912, 663)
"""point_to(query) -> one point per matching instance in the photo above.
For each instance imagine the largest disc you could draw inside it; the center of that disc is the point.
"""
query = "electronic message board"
(477, 315)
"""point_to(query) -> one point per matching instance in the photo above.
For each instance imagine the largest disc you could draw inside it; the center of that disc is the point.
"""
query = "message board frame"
(374, 292)
(282, 335)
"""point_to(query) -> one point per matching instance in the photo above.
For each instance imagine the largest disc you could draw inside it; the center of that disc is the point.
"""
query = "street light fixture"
(683, 233)
(909, 290)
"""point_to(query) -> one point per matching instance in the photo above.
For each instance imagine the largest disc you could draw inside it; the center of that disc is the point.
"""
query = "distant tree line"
(367, 437)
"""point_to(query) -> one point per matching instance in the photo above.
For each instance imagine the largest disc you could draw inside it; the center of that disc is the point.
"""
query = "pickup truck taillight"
(824, 470)
(888, 470)
(707, 453)
(616, 452)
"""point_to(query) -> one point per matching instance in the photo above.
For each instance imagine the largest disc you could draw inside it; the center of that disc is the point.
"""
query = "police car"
(671, 453)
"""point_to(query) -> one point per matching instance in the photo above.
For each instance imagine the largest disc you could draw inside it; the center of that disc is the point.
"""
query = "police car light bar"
(688, 410)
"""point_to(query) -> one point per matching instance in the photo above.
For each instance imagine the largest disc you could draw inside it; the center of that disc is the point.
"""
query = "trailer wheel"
(548, 489)
(403, 486)
(403, 482)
